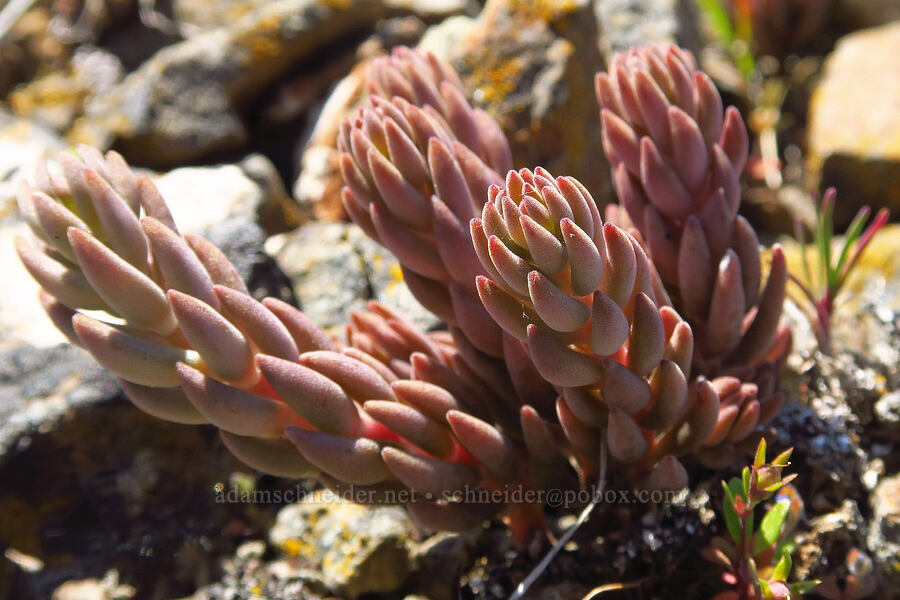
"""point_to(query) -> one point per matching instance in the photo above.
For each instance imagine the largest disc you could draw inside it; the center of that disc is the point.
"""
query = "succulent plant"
(579, 296)
(676, 157)
(417, 160)
(757, 557)
(559, 324)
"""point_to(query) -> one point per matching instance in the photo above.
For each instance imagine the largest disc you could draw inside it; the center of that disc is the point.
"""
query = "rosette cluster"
(677, 157)
(416, 160)
(583, 300)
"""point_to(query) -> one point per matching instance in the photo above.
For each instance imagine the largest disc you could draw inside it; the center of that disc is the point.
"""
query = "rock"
(884, 531)
(432, 10)
(243, 242)
(185, 103)
(22, 144)
(39, 385)
(854, 127)
(440, 560)
(334, 268)
(531, 66)
(107, 588)
(199, 15)
(887, 413)
(56, 99)
(830, 538)
(628, 23)
(444, 38)
(27, 47)
(90, 483)
(278, 212)
(200, 197)
(820, 425)
(359, 549)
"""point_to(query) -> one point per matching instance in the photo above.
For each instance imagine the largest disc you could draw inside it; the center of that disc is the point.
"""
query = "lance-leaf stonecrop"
(561, 325)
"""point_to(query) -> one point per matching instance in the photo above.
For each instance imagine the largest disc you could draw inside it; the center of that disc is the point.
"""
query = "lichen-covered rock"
(358, 549)
(206, 14)
(334, 268)
(56, 99)
(28, 47)
(884, 531)
(531, 66)
(854, 124)
(185, 103)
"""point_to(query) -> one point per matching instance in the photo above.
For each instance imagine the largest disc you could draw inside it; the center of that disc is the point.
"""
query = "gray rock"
(243, 243)
(884, 531)
(334, 268)
(31, 394)
(90, 483)
(628, 23)
(200, 197)
(359, 549)
(440, 559)
(185, 102)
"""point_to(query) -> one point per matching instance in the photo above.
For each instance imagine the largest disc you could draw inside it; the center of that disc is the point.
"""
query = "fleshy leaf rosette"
(416, 161)
(582, 299)
(393, 416)
(676, 157)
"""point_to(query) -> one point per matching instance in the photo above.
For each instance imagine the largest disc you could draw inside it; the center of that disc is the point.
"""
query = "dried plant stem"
(564, 539)
(614, 587)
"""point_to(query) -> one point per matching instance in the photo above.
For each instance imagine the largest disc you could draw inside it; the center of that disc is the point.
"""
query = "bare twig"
(613, 587)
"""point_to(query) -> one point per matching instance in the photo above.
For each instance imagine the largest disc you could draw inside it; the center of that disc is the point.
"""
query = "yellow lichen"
(493, 76)
(261, 43)
(540, 10)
